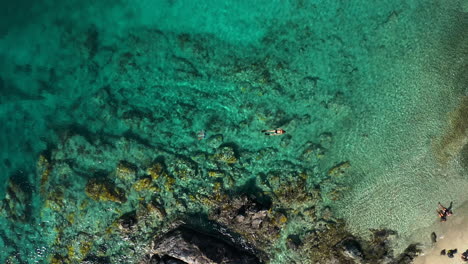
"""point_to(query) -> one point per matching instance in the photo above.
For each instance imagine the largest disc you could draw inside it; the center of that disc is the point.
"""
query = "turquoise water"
(88, 85)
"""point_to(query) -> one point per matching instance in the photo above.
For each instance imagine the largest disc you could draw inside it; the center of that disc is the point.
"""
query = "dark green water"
(91, 84)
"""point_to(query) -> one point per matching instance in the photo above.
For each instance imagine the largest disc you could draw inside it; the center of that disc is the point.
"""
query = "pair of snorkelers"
(443, 212)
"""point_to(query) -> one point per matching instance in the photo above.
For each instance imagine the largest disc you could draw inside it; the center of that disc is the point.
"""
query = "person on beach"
(451, 252)
(274, 132)
(464, 256)
(444, 211)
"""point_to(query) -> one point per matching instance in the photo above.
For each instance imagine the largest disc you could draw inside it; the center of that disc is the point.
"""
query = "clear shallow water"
(382, 79)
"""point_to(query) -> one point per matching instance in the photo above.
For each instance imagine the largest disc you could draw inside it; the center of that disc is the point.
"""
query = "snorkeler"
(443, 212)
(274, 132)
(201, 135)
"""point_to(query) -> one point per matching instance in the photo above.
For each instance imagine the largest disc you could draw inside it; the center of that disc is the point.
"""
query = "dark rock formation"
(247, 214)
(95, 260)
(379, 247)
(253, 219)
(293, 242)
(155, 259)
(350, 248)
(407, 257)
(190, 246)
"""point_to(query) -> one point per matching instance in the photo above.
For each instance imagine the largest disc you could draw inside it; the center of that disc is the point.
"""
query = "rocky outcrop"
(255, 221)
(155, 259)
(187, 245)
(410, 253)
(351, 249)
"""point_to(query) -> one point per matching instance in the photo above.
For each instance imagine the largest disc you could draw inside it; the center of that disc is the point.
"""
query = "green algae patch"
(100, 190)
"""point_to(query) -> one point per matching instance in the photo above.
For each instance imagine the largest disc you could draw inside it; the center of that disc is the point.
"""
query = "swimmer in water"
(201, 134)
(274, 132)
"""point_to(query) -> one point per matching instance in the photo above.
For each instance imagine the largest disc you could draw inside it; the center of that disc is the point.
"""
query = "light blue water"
(97, 83)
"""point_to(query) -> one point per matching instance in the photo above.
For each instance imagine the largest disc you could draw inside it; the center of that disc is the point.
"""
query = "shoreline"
(450, 235)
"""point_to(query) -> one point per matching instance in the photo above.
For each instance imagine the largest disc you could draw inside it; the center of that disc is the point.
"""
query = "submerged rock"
(126, 171)
(312, 152)
(379, 247)
(339, 169)
(155, 259)
(293, 242)
(326, 139)
(145, 184)
(184, 169)
(43, 168)
(17, 201)
(253, 219)
(215, 141)
(95, 260)
(410, 253)
(190, 246)
(128, 221)
(101, 190)
(156, 170)
(226, 154)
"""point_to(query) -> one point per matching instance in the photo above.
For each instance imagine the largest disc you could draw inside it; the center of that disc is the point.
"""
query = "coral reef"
(146, 210)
